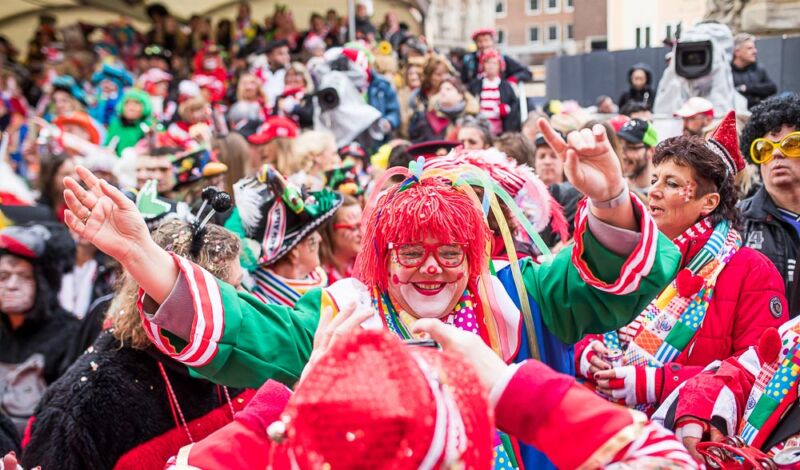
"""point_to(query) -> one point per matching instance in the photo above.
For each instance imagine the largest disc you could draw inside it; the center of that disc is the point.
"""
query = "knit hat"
(278, 215)
(638, 131)
(724, 142)
(81, 120)
(373, 401)
(274, 127)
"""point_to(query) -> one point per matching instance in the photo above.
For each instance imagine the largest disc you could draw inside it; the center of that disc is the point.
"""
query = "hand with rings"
(103, 216)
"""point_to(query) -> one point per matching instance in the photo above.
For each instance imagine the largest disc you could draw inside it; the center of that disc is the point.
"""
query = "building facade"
(634, 24)
(535, 30)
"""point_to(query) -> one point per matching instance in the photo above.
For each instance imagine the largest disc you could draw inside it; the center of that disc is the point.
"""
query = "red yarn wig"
(430, 209)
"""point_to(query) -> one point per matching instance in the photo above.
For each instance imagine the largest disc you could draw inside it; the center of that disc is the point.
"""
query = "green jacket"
(238, 341)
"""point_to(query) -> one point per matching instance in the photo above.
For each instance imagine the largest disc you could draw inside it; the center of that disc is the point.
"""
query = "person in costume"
(344, 412)
(283, 221)
(721, 300)
(110, 81)
(132, 121)
(35, 331)
(423, 256)
(122, 378)
(498, 100)
(484, 39)
(753, 396)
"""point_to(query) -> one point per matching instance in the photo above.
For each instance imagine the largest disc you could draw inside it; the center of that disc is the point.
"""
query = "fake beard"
(19, 300)
(429, 306)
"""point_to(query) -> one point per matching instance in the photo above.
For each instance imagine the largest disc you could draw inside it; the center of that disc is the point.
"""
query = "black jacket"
(511, 121)
(766, 231)
(646, 95)
(112, 400)
(758, 85)
(514, 71)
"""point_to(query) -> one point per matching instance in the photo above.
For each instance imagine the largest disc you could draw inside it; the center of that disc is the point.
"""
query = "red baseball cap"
(274, 127)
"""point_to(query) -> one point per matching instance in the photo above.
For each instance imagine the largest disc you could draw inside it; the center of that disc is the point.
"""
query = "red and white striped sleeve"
(637, 264)
(193, 312)
(653, 448)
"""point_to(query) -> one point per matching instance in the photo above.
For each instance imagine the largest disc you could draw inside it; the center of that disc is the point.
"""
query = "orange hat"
(81, 120)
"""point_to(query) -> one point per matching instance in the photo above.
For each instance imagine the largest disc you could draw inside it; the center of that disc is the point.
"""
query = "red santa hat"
(481, 31)
(373, 401)
(357, 57)
(724, 142)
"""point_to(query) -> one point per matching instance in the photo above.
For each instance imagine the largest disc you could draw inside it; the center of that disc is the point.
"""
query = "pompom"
(769, 345)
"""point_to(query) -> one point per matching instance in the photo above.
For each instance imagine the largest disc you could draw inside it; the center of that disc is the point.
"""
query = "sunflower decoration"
(384, 48)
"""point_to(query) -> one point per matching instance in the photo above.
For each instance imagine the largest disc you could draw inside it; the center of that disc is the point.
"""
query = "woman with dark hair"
(55, 168)
(724, 296)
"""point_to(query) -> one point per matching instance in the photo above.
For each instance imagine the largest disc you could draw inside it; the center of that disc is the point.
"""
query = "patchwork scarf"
(669, 323)
(272, 288)
(464, 317)
(774, 391)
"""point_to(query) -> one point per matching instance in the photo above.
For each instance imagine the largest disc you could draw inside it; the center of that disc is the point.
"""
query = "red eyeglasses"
(412, 255)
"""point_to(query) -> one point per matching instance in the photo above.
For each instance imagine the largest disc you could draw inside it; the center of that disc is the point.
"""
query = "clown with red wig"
(425, 254)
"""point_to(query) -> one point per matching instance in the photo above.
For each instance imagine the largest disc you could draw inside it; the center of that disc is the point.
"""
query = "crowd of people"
(248, 245)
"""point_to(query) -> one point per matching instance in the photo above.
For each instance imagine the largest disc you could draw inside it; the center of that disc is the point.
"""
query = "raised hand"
(590, 162)
(103, 216)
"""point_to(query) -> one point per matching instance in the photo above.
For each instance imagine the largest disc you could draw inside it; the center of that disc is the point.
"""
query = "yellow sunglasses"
(762, 149)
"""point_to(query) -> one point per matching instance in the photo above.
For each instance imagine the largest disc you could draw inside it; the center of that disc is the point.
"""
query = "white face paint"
(430, 306)
(17, 285)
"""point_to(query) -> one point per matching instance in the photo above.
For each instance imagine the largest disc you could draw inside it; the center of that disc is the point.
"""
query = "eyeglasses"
(762, 150)
(412, 255)
(348, 227)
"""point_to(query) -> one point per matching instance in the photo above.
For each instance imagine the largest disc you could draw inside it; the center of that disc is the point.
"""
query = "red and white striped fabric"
(208, 317)
(491, 106)
(637, 265)
(654, 447)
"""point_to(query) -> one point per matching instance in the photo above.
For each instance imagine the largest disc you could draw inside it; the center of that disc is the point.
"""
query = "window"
(642, 36)
(501, 36)
(500, 8)
(552, 33)
(669, 31)
(552, 6)
(569, 5)
(569, 32)
(533, 6)
(533, 34)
